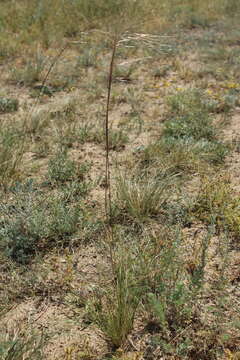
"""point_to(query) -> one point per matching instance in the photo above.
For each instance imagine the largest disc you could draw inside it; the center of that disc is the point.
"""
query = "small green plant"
(8, 105)
(75, 190)
(186, 154)
(61, 168)
(174, 309)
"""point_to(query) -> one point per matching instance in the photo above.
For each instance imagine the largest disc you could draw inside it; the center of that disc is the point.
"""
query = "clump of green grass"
(175, 156)
(183, 156)
(143, 198)
(186, 101)
(114, 308)
(63, 122)
(114, 311)
(152, 273)
(37, 125)
(215, 203)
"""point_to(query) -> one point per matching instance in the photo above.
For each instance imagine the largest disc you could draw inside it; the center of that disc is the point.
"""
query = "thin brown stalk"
(108, 195)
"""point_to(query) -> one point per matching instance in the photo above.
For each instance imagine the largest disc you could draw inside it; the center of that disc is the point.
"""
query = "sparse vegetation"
(119, 204)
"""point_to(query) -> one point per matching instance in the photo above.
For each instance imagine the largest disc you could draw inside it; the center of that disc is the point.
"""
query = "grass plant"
(115, 311)
(142, 198)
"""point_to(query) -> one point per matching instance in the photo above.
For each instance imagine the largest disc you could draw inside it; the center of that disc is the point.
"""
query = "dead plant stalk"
(108, 194)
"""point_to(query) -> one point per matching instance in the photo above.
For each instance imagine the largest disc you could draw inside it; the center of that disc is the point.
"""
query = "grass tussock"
(143, 198)
(216, 203)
